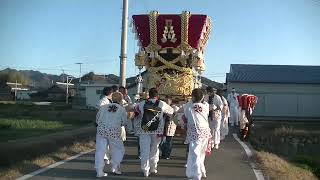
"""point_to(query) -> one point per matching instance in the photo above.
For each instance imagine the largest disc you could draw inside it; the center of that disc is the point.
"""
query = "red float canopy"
(199, 27)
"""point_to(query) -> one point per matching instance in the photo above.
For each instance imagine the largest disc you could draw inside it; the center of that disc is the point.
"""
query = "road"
(227, 163)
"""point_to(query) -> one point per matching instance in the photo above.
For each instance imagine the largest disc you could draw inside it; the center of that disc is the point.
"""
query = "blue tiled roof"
(289, 74)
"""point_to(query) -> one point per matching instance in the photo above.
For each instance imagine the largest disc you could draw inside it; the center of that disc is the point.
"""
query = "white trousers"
(234, 116)
(107, 154)
(196, 156)
(215, 125)
(116, 149)
(149, 151)
(243, 119)
(224, 129)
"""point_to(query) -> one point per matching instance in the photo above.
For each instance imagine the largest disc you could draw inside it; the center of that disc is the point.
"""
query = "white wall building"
(283, 91)
(92, 93)
(24, 94)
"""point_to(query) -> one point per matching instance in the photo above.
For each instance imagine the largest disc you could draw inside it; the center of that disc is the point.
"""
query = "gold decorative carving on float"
(206, 35)
(153, 46)
(185, 32)
(168, 32)
(175, 84)
(140, 59)
(173, 66)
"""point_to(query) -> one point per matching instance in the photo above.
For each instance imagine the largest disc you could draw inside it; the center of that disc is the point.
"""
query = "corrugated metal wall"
(284, 100)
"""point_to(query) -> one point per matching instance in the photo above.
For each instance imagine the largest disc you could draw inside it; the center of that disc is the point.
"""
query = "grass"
(19, 169)
(302, 126)
(17, 128)
(266, 138)
(24, 119)
(20, 121)
(276, 168)
(310, 163)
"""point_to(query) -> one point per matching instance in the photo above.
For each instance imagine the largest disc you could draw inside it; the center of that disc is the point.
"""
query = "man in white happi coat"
(215, 116)
(149, 140)
(106, 99)
(127, 103)
(126, 97)
(196, 114)
(234, 107)
(110, 118)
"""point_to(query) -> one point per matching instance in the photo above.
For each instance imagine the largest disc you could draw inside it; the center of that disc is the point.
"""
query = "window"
(99, 91)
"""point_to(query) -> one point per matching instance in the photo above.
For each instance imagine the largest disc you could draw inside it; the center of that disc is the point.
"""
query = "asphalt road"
(227, 163)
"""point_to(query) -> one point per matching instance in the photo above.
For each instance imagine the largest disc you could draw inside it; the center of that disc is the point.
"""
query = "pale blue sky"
(47, 35)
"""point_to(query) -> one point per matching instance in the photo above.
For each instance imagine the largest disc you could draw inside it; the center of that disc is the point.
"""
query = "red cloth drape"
(196, 25)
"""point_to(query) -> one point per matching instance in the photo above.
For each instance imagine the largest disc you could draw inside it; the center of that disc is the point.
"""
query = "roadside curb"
(258, 173)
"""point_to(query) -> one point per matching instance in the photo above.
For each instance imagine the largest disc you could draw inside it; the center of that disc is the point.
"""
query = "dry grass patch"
(276, 168)
(25, 167)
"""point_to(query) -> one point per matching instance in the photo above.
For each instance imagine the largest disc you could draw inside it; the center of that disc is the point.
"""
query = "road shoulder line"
(34, 173)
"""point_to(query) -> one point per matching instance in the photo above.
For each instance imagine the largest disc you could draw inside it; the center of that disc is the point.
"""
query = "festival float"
(171, 49)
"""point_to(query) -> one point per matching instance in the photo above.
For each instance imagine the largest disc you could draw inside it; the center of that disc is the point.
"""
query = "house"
(6, 93)
(25, 94)
(207, 82)
(88, 95)
(89, 91)
(57, 92)
(283, 90)
(9, 90)
(132, 87)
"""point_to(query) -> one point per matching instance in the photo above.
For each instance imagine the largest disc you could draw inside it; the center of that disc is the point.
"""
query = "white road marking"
(27, 176)
(249, 153)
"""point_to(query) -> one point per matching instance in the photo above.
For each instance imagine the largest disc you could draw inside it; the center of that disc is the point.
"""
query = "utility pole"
(123, 53)
(15, 91)
(15, 88)
(80, 72)
(62, 75)
(69, 79)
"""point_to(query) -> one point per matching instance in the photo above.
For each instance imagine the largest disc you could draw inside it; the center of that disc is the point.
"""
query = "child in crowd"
(169, 131)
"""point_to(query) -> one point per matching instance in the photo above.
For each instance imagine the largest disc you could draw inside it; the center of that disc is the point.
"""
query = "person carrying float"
(196, 113)
(106, 99)
(247, 103)
(150, 130)
(215, 115)
(109, 119)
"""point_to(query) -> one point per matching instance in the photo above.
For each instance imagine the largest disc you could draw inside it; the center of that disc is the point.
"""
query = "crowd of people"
(204, 118)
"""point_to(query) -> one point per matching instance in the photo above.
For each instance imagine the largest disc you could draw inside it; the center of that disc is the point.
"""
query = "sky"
(51, 35)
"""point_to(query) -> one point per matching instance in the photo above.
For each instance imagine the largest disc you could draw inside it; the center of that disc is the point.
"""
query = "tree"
(13, 76)
(88, 76)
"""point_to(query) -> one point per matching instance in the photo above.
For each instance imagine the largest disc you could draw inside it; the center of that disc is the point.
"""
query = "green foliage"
(27, 120)
(311, 163)
(16, 128)
(88, 76)
(62, 107)
(31, 123)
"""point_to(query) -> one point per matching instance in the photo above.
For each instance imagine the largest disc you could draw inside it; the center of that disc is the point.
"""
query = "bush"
(311, 163)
